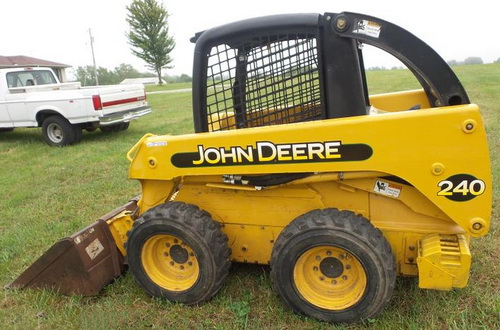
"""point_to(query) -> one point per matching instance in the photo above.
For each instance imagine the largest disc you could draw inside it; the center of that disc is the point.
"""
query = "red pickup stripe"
(123, 101)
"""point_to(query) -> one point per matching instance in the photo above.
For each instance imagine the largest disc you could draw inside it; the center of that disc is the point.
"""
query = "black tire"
(125, 126)
(177, 252)
(115, 128)
(334, 266)
(6, 129)
(58, 131)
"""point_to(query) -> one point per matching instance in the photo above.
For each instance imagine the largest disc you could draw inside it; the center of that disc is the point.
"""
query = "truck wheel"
(115, 128)
(334, 266)
(125, 126)
(177, 252)
(6, 129)
(57, 131)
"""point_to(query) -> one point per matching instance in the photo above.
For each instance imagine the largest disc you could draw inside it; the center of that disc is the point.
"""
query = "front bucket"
(81, 264)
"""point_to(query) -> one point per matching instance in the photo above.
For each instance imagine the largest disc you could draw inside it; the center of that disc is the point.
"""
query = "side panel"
(442, 152)
(5, 120)
(254, 219)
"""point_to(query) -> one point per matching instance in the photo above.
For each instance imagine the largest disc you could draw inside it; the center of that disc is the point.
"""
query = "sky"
(58, 30)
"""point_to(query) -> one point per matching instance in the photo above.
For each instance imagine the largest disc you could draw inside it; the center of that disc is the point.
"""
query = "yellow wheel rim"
(329, 277)
(170, 263)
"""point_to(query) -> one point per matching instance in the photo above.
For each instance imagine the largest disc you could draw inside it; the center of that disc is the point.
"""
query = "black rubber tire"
(125, 126)
(345, 230)
(6, 129)
(115, 128)
(58, 131)
(195, 228)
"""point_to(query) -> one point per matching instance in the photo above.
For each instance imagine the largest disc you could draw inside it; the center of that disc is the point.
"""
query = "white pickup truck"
(34, 97)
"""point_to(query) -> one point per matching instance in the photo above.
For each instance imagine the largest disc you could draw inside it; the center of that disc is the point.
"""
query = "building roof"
(26, 61)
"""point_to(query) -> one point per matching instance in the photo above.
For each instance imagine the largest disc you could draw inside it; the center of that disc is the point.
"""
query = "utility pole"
(93, 57)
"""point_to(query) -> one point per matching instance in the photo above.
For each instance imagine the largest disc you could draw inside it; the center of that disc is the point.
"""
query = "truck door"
(18, 103)
(4, 114)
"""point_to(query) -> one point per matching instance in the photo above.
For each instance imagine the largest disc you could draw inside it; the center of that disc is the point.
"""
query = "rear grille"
(264, 81)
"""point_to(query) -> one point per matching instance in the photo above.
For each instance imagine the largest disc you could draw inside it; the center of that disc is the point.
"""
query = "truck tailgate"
(122, 98)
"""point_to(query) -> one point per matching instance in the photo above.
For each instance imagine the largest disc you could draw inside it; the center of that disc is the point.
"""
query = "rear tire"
(177, 252)
(6, 129)
(334, 266)
(58, 131)
(115, 128)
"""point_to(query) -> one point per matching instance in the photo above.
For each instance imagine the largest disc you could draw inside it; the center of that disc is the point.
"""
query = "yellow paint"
(341, 289)
(423, 148)
(119, 226)
(171, 271)
(443, 262)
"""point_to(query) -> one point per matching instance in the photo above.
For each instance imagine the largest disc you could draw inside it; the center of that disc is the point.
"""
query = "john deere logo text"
(265, 152)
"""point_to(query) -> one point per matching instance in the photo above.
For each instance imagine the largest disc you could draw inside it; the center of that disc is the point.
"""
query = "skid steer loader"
(294, 165)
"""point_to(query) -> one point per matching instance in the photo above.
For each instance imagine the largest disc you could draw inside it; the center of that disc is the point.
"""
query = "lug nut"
(172, 263)
(315, 268)
(344, 277)
(318, 258)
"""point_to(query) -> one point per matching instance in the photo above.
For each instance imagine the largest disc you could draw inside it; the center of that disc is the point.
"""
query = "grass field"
(48, 193)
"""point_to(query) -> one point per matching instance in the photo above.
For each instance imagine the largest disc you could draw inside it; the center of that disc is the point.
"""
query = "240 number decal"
(461, 187)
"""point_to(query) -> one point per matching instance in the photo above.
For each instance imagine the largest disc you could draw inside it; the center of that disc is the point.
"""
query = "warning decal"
(367, 28)
(387, 189)
(94, 248)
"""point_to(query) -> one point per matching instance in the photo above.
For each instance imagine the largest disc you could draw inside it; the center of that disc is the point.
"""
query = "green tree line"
(85, 75)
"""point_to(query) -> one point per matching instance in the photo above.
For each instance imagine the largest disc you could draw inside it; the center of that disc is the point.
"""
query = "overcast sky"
(58, 30)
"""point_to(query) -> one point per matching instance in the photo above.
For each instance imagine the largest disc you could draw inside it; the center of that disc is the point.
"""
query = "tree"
(85, 75)
(125, 71)
(148, 34)
(473, 60)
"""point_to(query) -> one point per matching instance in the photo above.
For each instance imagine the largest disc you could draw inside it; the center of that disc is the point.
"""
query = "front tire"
(177, 252)
(334, 266)
(58, 131)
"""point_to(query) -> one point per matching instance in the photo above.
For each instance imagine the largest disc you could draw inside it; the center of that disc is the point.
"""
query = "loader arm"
(438, 80)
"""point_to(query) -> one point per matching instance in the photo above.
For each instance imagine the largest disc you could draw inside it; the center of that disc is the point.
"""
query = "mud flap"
(81, 264)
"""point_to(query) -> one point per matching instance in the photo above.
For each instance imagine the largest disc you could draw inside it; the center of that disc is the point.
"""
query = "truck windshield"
(30, 78)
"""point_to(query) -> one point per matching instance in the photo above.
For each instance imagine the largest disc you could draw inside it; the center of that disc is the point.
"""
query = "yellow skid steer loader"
(294, 165)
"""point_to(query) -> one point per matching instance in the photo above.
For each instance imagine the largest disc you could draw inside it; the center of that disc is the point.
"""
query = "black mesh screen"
(263, 81)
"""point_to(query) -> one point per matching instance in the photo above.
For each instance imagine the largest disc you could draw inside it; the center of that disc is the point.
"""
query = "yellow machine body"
(293, 165)
(421, 176)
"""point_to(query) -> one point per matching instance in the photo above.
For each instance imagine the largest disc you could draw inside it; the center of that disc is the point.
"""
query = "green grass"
(48, 193)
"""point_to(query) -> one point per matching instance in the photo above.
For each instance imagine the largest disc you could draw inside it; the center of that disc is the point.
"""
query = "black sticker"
(265, 152)
(461, 187)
